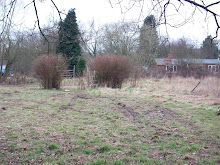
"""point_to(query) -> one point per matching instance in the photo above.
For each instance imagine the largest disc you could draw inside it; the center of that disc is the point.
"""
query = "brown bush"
(195, 71)
(49, 69)
(110, 70)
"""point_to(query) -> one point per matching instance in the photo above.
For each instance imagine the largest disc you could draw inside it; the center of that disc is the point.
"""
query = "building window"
(213, 68)
(171, 68)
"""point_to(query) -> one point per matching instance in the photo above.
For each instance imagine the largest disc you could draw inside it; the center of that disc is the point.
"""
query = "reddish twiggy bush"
(49, 69)
(110, 70)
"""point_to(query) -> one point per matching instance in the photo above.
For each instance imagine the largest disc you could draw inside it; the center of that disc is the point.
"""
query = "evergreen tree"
(69, 43)
(149, 41)
(209, 49)
(80, 66)
(150, 21)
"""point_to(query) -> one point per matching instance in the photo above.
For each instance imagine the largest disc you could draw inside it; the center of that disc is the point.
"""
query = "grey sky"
(101, 11)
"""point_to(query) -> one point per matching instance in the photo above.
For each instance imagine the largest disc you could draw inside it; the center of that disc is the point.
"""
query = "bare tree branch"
(213, 4)
(164, 5)
(38, 20)
(215, 15)
(38, 23)
(59, 12)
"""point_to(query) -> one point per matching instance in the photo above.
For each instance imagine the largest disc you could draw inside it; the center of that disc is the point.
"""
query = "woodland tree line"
(140, 43)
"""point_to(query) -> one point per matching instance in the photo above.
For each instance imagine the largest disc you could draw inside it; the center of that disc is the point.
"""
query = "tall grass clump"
(209, 86)
(110, 70)
(49, 69)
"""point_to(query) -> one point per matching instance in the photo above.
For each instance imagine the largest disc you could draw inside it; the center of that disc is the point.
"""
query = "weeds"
(53, 146)
(105, 148)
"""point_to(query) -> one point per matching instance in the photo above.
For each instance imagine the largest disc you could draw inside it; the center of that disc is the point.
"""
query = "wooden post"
(74, 71)
(196, 86)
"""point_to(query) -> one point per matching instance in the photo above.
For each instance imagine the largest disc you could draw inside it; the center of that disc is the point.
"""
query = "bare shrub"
(192, 70)
(18, 79)
(110, 70)
(81, 83)
(137, 72)
(49, 69)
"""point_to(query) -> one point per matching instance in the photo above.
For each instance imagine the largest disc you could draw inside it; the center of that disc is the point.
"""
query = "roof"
(159, 61)
(164, 61)
(211, 61)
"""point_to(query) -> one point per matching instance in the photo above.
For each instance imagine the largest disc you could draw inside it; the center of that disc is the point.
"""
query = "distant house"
(212, 65)
(174, 66)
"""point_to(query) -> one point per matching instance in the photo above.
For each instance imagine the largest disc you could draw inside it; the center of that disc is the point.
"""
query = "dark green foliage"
(69, 43)
(53, 146)
(88, 151)
(209, 48)
(104, 162)
(104, 148)
(81, 65)
(149, 41)
(150, 21)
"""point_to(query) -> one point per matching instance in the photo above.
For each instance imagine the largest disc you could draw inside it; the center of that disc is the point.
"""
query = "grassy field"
(157, 122)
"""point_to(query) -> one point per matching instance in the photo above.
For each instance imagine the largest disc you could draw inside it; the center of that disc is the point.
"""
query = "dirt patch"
(65, 107)
(81, 96)
(168, 114)
(7, 94)
(128, 111)
(3, 108)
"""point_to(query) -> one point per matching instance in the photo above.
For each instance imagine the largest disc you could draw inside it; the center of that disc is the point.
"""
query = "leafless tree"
(209, 9)
(9, 6)
(120, 38)
(90, 39)
(6, 23)
(26, 46)
(34, 3)
(10, 41)
(114, 38)
(184, 48)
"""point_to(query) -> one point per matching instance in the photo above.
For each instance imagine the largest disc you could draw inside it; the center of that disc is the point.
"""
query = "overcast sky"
(101, 11)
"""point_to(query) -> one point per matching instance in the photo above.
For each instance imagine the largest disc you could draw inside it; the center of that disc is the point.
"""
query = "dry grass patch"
(207, 92)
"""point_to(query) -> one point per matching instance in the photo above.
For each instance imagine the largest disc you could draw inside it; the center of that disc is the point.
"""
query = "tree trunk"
(7, 70)
(2, 58)
(10, 62)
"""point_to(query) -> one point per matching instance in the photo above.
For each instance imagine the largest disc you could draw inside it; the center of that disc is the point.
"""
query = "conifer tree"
(80, 66)
(148, 42)
(209, 49)
(69, 43)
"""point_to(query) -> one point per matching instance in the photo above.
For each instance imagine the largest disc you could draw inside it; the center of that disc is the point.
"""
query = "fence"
(69, 73)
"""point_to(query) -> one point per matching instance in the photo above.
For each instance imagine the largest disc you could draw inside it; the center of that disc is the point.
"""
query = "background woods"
(140, 41)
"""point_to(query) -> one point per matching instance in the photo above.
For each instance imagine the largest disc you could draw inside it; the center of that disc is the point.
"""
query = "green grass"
(105, 148)
(104, 162)
(53, 146)
(58, 127)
